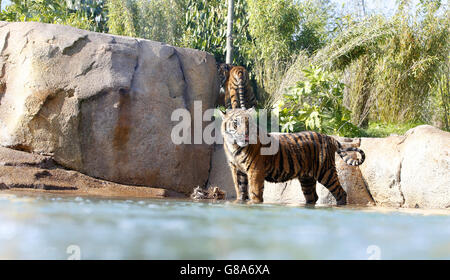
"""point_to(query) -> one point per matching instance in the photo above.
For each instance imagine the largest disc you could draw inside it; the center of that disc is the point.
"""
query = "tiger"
(223, 71)
(307, 156)
(236, 91)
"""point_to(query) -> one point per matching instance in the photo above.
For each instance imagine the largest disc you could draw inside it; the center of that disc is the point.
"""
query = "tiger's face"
(236, 126)
(223, 70)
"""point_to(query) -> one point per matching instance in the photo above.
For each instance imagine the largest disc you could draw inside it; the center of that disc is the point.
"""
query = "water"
(49, 227)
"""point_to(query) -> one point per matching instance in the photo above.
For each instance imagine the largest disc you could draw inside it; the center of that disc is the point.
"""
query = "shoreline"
(351, 207)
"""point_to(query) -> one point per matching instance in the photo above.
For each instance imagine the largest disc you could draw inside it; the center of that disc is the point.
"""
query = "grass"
(378, 129)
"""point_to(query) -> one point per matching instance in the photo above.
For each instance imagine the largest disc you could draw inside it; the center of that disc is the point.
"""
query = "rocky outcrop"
(400, 171)
(409, 171)
(27, 172)
(102, 104)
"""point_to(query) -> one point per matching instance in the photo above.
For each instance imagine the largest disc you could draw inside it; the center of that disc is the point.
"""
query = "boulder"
(220, 174)
(31, 173)
(102, 104)
(411, 170)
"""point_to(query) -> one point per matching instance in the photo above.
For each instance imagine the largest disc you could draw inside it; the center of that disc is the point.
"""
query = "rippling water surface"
(49, 227)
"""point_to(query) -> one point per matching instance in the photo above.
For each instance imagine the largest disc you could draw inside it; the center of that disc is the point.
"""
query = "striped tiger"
(236, 91)
(223, 71)
(307, 156)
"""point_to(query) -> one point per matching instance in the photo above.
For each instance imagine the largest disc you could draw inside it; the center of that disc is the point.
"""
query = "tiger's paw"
(342, 201)
(254, 201)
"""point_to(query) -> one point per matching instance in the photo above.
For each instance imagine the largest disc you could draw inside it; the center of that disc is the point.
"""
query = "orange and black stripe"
(307, 156)
(238, 91)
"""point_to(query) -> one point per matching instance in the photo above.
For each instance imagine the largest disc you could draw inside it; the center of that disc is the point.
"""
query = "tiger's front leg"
(240, 183)
(256, 187)
(242, 186)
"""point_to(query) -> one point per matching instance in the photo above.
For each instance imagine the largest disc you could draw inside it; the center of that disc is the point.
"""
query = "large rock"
(220, 174)
(411, 170)
(32, 173)
(102, 104)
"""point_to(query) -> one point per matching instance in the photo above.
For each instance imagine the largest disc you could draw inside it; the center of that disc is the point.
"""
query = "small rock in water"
(209, 193)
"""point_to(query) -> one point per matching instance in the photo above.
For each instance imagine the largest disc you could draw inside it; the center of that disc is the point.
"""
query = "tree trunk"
(229, 57)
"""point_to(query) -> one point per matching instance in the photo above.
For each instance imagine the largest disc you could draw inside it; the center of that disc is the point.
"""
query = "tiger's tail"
(241, 91)
(348, 159)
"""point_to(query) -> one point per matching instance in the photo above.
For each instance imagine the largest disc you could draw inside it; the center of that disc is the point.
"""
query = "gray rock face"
(32, 173)
(220, 174)
(102, 104)
(411, 170)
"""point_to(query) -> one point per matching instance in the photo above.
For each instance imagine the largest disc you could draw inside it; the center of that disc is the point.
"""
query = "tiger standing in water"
(308, 156)
(236, 91)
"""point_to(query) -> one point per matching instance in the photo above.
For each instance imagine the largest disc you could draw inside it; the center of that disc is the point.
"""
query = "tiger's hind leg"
(309, 189)
(331, 181)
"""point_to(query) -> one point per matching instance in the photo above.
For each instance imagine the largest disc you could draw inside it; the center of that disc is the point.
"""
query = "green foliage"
(358, 39)
(120, 14)
(81, 14)
(161, 20)
(382, 129)
(407, 69)
(93, 11)
(395, 69)
(314, 26)
(316, 104)
(266, 33)
(272, 26)
(441, 97)
(206, 26)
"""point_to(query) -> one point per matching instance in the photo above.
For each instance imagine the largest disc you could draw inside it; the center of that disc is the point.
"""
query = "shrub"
(316, 104)
(84, 14)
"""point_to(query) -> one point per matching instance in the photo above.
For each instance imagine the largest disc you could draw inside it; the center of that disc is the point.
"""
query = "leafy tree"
(317, 22)
(83, 14)
(392, 66)
(272, 24)
(316, 104)
(120, 14)
(93, 10)
(161, 20)
(206, 25)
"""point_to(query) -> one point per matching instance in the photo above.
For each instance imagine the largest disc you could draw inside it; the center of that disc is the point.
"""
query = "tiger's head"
(223, 71)
(236, 126)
